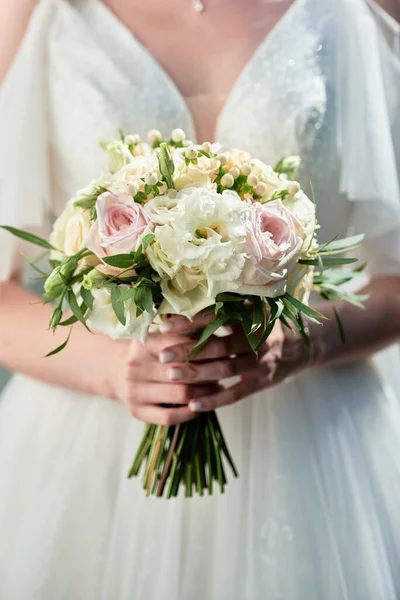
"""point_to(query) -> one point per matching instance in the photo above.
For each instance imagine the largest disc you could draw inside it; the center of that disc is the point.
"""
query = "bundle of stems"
(191, 454)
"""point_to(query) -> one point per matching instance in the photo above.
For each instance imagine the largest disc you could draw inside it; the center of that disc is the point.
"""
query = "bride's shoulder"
(14, 19)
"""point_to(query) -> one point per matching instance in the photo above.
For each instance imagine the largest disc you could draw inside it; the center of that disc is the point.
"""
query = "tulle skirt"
(315, 514)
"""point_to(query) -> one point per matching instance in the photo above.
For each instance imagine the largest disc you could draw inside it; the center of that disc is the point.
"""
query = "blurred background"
(4, 375)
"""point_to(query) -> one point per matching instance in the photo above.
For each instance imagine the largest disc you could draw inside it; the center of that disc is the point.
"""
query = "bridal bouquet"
(178, 228)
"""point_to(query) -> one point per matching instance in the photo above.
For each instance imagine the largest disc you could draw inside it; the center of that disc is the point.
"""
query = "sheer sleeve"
(24, 169)
(368, 69)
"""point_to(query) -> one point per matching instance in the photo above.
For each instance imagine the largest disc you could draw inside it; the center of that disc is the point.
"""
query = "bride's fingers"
(177, 324)
(216, 347)
(168, 393)
(247, 386)
(162, 416)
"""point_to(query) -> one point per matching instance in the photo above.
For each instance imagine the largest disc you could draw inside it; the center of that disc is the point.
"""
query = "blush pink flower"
(274, 246)
(120, 222)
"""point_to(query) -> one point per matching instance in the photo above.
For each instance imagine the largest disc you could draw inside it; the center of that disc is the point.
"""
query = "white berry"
(178, 135)
(261, 189)
(293, 187)
(133, 189)
(235, 172)
(223, 159)
(191, 153)
(252, 180)
(206, 147)
(132, 139)
(151, 179)
(154, 136)
(227, 180)
(163, 188)
(245, 170)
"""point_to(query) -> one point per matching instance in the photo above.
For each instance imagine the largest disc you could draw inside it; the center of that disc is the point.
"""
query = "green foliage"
(88, 201)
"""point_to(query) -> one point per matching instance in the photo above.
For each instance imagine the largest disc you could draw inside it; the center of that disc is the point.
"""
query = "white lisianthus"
(103, 318)
(160, 209)
(303, 209)
(205, 233)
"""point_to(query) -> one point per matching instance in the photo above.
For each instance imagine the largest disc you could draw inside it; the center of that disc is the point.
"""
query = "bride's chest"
(102, 79)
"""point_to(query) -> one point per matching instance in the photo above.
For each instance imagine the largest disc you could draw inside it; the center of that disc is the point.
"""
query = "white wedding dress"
(315, 514)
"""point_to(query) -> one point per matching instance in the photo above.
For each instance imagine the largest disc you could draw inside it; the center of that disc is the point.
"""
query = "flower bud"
(223, 159)
(252, 180)
(133, 189)
(154, 136)
(261, 189)
(93, 280)
(54, 285)
(132, 139)
(151, 179)
(191, 153)
(206, 147)
(178, 135)
(56, 317)
(227, 180)
(245, 170)
(293, 187)
(235, 172)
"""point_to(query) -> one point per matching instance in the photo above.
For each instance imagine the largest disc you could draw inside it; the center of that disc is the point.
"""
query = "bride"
(316, 512)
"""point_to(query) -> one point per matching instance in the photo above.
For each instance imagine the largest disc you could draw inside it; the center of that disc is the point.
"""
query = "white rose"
(70, 231)
(137, 168)
(186, 294)
(104, 319)
(303, 209)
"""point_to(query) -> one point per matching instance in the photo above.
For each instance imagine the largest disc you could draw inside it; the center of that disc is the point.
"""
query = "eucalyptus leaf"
(208, 331)
(28, 237)
(118, 306)
(167, 166)
(309, 312)
(327, 262)
(122, 261)
(60, 348)
(76, 309)
(87, 297)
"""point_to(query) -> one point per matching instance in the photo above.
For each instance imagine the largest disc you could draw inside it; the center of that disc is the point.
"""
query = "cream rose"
(70, 231)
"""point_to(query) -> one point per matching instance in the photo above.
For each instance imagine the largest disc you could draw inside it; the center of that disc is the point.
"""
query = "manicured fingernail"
(167, 356)
(175, 374)
(196, 406)
(165, 327)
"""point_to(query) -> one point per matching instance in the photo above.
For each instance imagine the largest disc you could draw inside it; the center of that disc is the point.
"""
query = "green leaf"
(340, 326)
(87, 297)
(167, 166)
(35, 267)
(122, 261)
(144, 298)
(60, 348)
(28, 237)
(225, 297)
(309, 312)
(327, 262)
(207, 333)
(146, 241)
(258, 314)
(277, 308)
(342, 245)
(71, 321)
(89, 200)
(125, 296)
(76, 309)
(118, 306)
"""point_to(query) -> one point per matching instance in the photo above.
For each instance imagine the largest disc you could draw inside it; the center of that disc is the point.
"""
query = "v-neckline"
(265, 42)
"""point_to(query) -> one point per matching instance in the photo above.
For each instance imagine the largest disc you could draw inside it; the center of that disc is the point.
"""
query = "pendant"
(198, 6)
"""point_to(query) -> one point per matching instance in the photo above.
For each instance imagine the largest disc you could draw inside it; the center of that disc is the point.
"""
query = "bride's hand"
(153, 390)
(283, 355)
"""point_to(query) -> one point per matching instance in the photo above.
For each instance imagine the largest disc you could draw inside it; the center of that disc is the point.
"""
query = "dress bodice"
(293, 96)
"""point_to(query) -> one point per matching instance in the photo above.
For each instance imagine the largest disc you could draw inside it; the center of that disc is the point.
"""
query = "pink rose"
(120, 222)
(274, 244)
